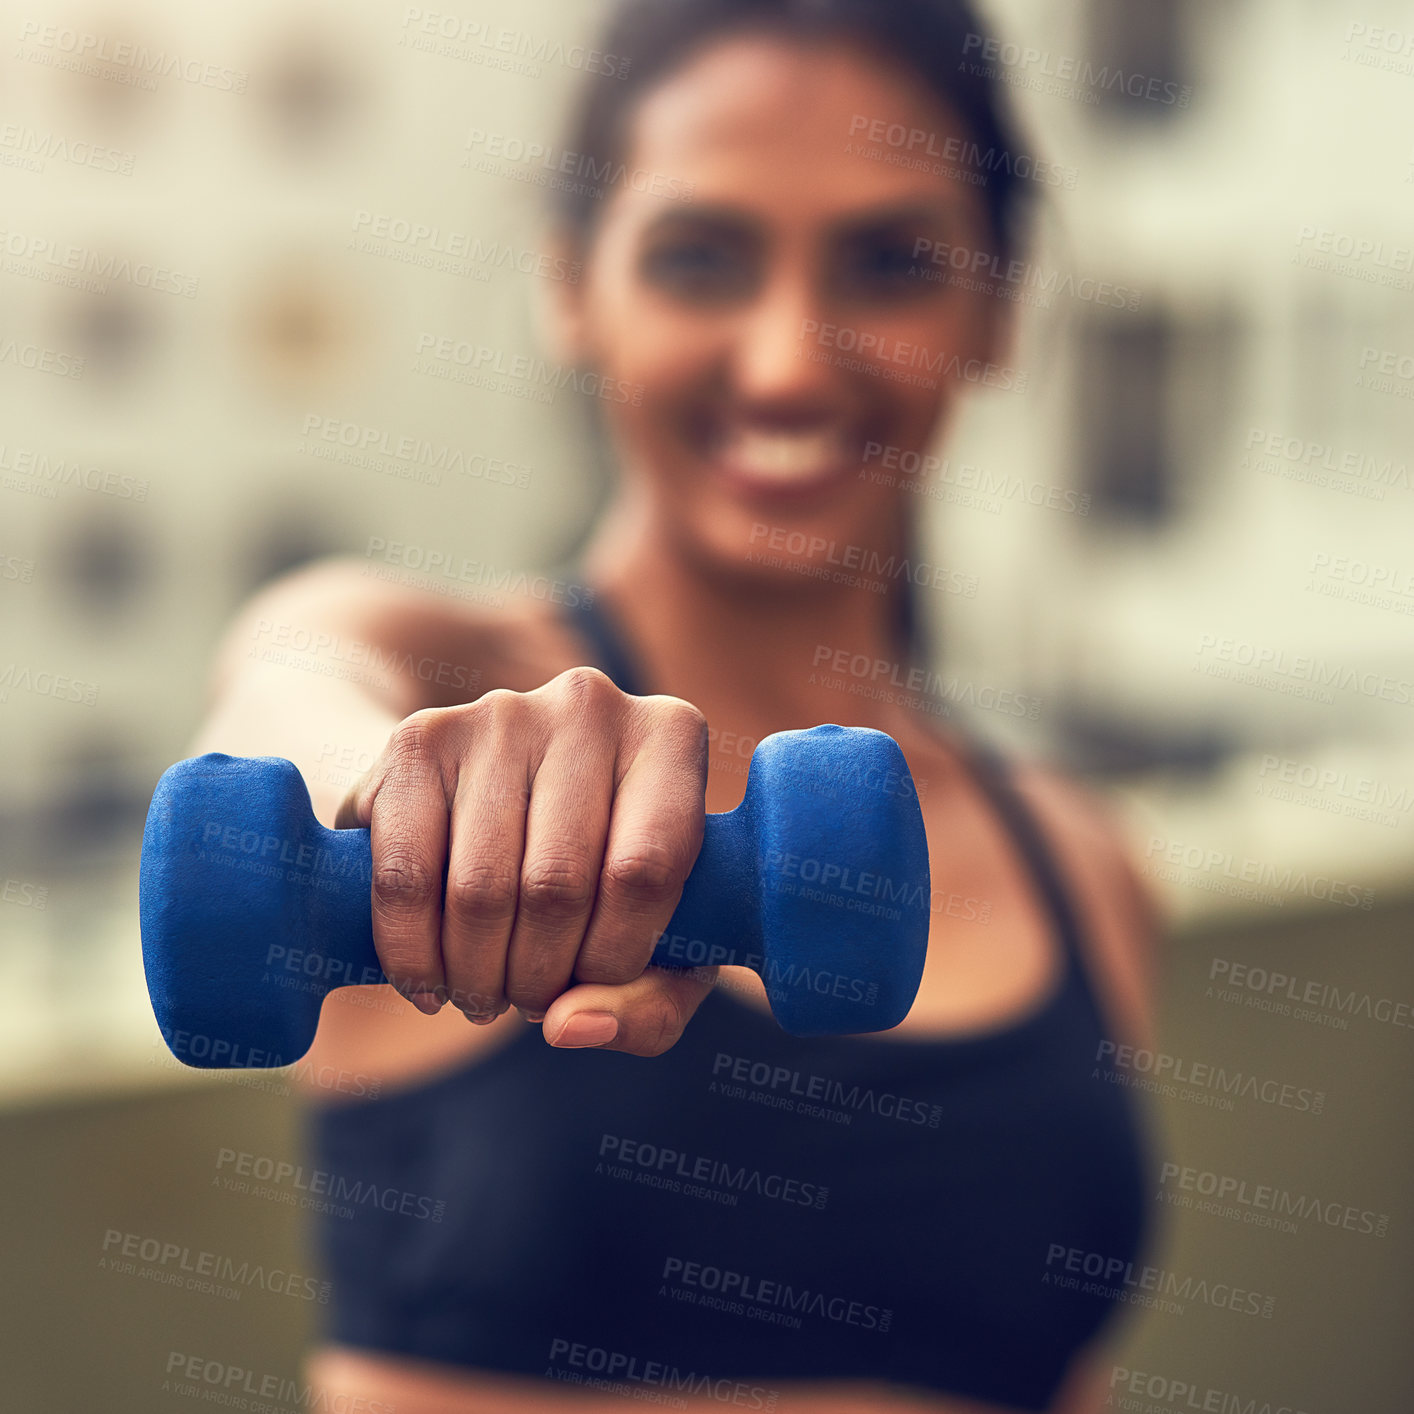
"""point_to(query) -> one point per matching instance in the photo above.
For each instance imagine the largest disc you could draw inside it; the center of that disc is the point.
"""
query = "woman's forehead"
(769, 120)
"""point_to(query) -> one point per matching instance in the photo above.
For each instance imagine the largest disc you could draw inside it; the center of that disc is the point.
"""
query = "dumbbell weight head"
(818, 882)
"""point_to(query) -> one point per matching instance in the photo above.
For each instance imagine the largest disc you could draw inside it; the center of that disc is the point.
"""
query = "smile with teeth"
(785, 457)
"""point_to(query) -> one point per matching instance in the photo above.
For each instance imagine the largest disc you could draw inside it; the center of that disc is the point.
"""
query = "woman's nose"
(779, 357)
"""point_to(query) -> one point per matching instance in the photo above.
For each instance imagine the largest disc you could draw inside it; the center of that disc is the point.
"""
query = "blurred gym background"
(224, 231)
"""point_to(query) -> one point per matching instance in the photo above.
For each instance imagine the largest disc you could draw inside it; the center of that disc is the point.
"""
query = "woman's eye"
(699, 269)
(886, 268)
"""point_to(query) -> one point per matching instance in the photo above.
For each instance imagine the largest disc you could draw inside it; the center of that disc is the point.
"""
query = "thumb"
(644, 1017)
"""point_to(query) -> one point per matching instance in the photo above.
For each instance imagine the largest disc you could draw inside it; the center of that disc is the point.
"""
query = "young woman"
(962, 1171)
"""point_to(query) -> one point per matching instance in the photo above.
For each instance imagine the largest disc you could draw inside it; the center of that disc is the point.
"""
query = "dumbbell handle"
(714, 922)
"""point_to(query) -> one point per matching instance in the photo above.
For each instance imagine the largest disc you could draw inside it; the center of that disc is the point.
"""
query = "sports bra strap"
(997, 781)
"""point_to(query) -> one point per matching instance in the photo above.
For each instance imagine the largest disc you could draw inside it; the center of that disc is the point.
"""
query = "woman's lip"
(738, 463)
(780, 489)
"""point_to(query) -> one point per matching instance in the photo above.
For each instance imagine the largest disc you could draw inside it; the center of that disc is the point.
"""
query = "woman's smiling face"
(787, 318)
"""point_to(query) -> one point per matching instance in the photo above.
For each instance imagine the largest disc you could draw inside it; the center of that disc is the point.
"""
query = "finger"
(356, 808)
(565, 828)
(655, 833)
(348, 813)
(408, 825)
(483, 880)
(642, 1018)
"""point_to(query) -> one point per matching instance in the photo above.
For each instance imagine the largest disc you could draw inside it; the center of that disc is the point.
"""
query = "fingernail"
(536, 1016)
(588, 1028)
(481, 1018)
(426, 1002)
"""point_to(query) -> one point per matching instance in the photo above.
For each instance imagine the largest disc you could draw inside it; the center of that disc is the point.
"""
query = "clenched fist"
(529, 848)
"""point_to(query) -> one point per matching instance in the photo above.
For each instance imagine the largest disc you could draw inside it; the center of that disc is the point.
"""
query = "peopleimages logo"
(984, 269)
(761, 1298)
(545, 165)
(1272, 990)
(44, 474)
(1264, 1204)
(38, 358)
(31, 149)
(219, 1382)
(1357, 473)
(1132, 1390)
(1214, 1083)
(62, 263)
(1338, 791)
(173, 1264)
(978, 163)
(781, 979)
(22, 678)
(430, 564)
(1294, 674)
(24, 894)
(495, 46)
(452, 251)
(92, 51)
(1156, 1287)
(897, 360)
(863, 676)
(446, 356)
(620, 1372)
(332, 656)
(781, 1087)
(666, 1167)
(982, 53)
(322, 1190)
(355, 444)
(861, 566)
(903, 466)
(1223, 864)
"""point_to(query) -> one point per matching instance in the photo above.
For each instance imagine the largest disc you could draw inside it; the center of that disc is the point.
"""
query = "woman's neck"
(763, 656)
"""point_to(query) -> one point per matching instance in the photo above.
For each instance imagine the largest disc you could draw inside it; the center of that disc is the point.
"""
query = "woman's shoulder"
(1121, 921)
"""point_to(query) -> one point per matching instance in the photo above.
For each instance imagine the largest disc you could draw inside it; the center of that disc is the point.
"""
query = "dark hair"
(647, 39)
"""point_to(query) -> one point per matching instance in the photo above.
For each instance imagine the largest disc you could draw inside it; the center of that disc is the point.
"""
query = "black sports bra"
(751, 1207)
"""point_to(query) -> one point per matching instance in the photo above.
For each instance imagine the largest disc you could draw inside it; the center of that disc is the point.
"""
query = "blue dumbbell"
(252, 911)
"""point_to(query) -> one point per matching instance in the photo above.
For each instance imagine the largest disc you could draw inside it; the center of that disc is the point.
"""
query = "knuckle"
(414, 738)
(682, 716)
(402, 881)
(651, 871)
(557, 887)
(482, 893)
(473, 1000)
(499, 704)
(678, 715)
(659, 1025)
(586, 686)
(677, 727)
(532, 990)
(408, 970)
